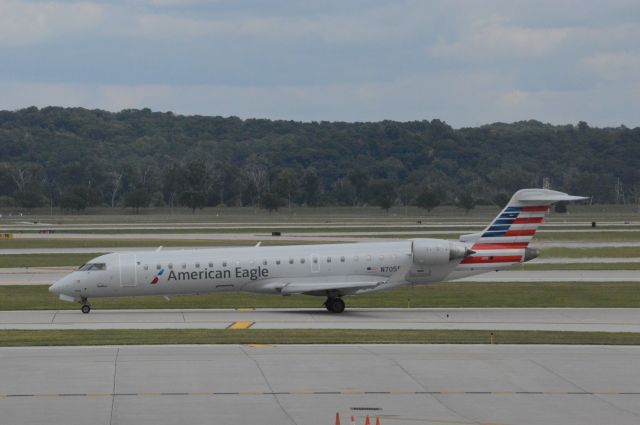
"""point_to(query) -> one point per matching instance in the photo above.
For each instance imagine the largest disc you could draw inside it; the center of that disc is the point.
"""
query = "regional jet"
(332, 271)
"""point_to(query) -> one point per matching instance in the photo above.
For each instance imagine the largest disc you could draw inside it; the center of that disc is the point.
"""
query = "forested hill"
(76, 158)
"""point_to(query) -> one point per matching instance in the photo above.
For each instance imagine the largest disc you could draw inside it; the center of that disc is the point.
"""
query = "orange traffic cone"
(367, 421)
(377, 420)
(337, 418)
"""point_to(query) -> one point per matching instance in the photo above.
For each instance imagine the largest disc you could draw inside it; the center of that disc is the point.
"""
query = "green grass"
(20, 243)
(453, 294)
(45, 260)
(54, 260)
(596, 236)
(578, 266)
(586, 236)
(11, 338)
(611, 252)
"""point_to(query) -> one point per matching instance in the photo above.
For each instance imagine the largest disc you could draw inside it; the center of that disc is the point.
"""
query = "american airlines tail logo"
(156, 278)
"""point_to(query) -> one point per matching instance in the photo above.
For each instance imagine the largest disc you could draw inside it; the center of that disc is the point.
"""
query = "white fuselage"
(268, 270)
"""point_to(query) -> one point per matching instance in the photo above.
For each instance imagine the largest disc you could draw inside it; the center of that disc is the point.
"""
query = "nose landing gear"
(86, 307)
(334, 305)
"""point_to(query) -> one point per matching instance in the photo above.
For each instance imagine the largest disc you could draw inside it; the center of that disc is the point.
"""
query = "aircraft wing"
(334, 286)
(342, 288)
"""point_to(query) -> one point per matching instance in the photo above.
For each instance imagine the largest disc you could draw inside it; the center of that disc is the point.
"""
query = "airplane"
(331, 270)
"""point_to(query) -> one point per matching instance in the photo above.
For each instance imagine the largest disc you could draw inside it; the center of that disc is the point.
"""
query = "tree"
(138, 198)
(196, 184)
(428, 198)
(466, 201)
(286, 185)
(501, 199)
(311, 188)
(561, 208)
(383, 193)
(29, 199)
(269, 202)
(74, 199)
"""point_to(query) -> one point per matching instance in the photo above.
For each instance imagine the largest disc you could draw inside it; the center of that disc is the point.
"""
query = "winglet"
(258, 244)
(159, 248)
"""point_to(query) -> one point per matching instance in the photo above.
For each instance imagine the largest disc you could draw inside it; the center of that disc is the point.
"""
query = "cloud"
(463, 61)
(494, 38)
(613, 66)
(26, 23)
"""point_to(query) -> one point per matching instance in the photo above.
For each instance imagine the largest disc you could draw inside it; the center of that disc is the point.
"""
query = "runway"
(548, 319)
(307, 385)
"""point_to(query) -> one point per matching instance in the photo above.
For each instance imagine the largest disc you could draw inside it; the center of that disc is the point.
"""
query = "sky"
(467, 62)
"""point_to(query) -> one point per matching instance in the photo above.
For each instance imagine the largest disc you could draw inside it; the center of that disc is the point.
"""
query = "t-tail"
(506, 240)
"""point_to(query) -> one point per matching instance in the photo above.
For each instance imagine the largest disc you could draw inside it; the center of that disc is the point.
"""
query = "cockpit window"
(92, 267)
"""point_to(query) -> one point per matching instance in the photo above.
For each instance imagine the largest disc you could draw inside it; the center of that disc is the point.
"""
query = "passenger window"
(264, 262)
(328, 259)
(146, 267)
(302, 261)
(197, 265)
(170, 266)
(158, 267)
(278, 262)
(342, 259)
(315, 260)
(224, 264)
(184, 266)
(290, 260)
(210, 263)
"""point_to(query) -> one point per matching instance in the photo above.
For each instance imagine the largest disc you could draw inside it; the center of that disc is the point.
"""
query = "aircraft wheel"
(86, 308)
(335, 305)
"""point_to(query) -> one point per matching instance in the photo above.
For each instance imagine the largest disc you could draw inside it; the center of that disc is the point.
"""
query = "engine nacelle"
(430, 252)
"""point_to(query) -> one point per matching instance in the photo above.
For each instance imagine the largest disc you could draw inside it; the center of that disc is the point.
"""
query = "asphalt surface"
(550, 319)
(285, 385)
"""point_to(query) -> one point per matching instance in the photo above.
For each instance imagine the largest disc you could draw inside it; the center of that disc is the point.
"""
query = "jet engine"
(430, 252)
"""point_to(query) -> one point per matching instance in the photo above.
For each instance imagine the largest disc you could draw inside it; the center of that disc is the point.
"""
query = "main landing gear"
(86, 307)
(334, 305)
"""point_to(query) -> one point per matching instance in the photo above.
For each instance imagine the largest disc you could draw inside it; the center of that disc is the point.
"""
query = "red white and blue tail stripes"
(504, 241)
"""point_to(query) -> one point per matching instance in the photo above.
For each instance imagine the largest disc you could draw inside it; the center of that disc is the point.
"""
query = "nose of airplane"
(55, 288)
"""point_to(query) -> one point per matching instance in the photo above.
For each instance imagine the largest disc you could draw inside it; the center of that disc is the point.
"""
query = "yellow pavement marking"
(259, 346)
(241, 325)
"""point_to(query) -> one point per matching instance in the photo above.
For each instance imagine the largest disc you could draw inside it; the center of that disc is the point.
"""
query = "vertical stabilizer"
(509, 234)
